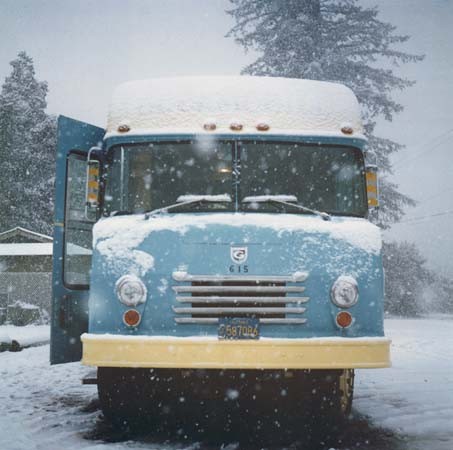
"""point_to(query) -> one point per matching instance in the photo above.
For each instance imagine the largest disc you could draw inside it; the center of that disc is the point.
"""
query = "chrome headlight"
(345, 292)
(130, 290)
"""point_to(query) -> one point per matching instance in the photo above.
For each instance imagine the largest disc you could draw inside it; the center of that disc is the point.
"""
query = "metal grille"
(271, 299)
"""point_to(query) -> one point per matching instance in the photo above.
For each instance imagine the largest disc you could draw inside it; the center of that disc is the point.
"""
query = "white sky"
(85, 48)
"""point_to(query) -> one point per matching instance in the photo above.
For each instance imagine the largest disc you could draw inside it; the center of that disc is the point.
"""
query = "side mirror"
(372, 187)
(92, 189)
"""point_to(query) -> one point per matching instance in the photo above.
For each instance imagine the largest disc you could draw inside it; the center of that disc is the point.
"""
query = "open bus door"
(72, 240)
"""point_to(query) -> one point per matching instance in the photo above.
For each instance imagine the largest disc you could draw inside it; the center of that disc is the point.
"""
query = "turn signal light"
(344, 319)
(132, 318)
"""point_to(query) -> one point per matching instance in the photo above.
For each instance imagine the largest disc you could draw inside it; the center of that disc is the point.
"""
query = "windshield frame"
(235, 141)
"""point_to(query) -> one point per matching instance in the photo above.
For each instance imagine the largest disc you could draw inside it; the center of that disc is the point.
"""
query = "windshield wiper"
(189, 201)
(282, 200)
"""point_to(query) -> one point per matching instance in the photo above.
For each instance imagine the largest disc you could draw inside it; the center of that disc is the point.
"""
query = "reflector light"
(235, 126)
(344, 319)
(131, 317)
(209, 126)
(124, 128)
(262, 126)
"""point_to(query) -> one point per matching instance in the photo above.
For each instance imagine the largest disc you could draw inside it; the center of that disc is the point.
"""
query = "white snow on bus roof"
(122, 234)
(184, 105)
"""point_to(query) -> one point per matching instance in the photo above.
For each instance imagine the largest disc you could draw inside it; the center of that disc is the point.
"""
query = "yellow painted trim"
(373, 201)
(371, 177)
(59, 224)
(210, 353)
(93, 184)
(371, 188)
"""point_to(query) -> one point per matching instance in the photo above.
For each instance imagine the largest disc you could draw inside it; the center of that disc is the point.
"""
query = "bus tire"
(331, 395)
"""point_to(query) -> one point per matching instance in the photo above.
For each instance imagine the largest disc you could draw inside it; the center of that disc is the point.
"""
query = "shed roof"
(184, 105)
(34, 249)
(23, 232)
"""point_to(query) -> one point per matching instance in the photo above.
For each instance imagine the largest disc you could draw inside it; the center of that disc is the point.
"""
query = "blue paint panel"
(69, 307)
(207, 251)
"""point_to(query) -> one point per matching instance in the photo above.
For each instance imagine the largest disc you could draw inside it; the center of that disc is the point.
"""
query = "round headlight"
(130, 290)
(344, 292)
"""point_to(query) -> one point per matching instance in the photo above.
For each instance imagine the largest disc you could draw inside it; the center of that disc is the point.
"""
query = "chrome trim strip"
(210, 320)
(267, 289)
(233, 310)
(296, 277)
(218, 299)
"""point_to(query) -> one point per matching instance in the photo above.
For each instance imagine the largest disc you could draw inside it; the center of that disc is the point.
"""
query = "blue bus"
(218, 225)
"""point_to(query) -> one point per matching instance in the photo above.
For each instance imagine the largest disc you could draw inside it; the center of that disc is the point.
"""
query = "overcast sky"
(85, 48)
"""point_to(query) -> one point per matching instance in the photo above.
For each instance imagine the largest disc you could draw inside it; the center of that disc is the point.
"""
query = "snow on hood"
(118, 237)
(185, 104)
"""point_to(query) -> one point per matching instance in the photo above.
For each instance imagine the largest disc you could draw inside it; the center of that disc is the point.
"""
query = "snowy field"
(407, 407)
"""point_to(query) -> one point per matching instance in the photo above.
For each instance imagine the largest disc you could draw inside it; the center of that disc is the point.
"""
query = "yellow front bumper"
(108, 350)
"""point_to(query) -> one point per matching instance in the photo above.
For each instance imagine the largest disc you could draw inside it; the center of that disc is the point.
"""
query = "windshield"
(151, 176)
(323, 177)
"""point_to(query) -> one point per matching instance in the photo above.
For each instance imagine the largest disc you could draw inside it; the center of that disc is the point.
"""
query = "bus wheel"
(331, 395)
(122, 395)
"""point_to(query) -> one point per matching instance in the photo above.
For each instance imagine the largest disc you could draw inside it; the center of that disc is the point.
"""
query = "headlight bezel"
(337, 291)
(130, 282)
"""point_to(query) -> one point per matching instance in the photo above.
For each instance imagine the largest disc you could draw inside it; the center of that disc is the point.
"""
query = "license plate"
(239, 328)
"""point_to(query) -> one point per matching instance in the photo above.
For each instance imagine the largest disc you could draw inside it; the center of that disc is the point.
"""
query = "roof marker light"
(262, 126)
(347, 129)
(123, 128)
(236, 126)
(209, 126)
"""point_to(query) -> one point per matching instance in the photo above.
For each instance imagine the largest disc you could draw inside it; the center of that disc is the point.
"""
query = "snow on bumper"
(108, 350)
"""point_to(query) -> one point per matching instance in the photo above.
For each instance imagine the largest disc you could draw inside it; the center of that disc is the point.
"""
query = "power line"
(420, 218)
(415, 155)
(437, 194)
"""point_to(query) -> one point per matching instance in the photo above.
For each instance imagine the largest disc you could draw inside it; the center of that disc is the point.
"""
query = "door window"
(78, 230)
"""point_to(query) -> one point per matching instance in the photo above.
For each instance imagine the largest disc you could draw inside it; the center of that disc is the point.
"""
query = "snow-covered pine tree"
(27, 150)
(407, 279)
(332, 40)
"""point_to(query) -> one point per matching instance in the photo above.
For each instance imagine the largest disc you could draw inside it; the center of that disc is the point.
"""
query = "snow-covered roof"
(34, 249)
(185, 105)
(19, 231)
(39, 248)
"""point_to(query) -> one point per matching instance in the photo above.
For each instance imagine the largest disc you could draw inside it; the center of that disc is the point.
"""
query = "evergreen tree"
(27, 150)
(406, 278)
(332, 40)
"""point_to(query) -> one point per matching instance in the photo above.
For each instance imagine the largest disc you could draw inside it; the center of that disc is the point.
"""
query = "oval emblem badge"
(238, 254)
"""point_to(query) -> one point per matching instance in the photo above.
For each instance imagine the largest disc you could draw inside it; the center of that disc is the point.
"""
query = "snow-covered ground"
(415, 397)
(409, 406)
(25, 336)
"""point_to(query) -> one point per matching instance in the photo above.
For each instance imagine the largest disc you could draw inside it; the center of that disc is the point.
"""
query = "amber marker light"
(124, 128)
(262, 126)
(344, 319)
(209, 126)
(131, 317)
(347, 130)
(235, 126)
